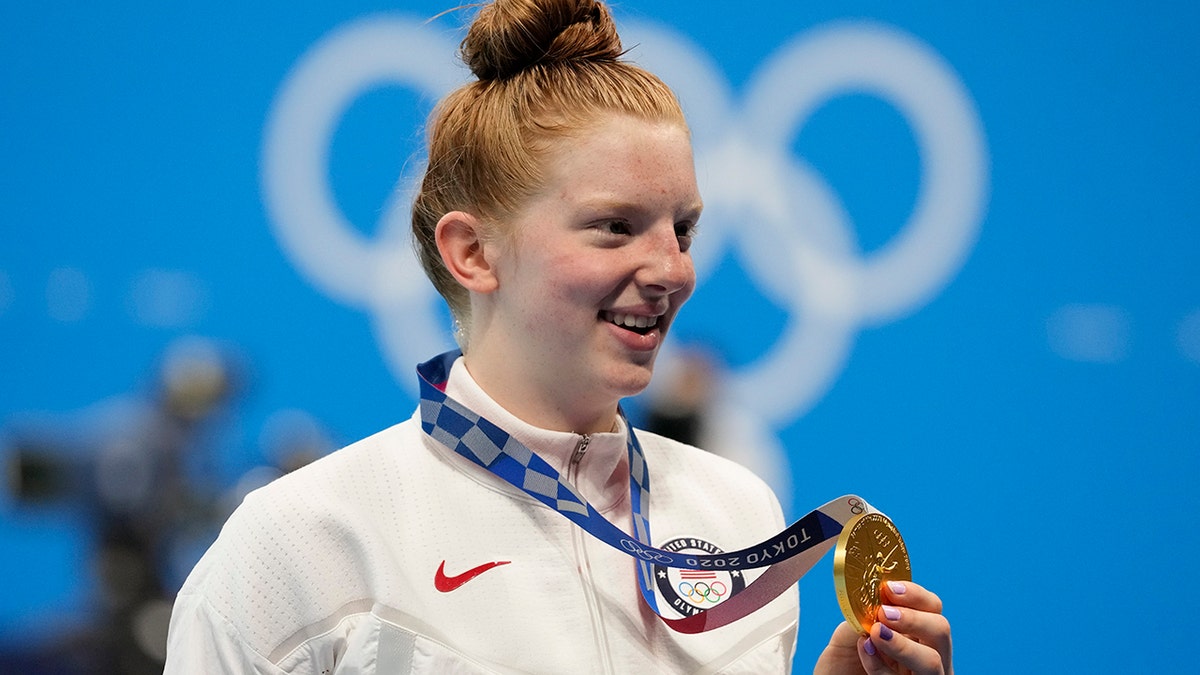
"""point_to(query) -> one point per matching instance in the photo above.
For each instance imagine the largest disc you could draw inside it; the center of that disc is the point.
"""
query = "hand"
(918, 642)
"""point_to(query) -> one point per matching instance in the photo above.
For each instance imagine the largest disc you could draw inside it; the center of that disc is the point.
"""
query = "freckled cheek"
(561, 306)
(589, 283)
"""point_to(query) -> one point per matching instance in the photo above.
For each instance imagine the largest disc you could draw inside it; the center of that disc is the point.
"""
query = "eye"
(617, 227)
(685, 232)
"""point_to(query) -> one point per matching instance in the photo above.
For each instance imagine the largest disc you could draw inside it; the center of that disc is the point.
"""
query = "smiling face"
(590, 276)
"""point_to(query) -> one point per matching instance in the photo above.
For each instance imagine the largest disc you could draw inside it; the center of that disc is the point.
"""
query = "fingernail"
(885, 632)
(897, 587)
(891, 613)
(869, 647)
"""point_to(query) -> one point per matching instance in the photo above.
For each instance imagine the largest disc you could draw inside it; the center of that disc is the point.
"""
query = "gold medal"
(869, 552)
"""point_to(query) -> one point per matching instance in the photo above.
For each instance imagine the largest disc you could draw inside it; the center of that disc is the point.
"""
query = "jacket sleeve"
(201, 641)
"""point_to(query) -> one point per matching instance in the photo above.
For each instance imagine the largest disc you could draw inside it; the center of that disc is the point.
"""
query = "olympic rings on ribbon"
(649, 556)
(701, 592)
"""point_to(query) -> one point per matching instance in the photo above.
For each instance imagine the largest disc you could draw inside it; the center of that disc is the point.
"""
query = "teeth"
(631, 320)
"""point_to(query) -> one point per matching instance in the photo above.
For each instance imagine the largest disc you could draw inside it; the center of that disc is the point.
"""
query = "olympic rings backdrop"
(948, 262)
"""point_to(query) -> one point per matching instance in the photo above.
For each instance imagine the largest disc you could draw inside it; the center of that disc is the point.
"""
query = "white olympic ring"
(649, 556)
(382, 276)
(801, 249)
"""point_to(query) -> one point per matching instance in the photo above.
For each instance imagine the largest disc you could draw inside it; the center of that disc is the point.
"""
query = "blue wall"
(949, 261)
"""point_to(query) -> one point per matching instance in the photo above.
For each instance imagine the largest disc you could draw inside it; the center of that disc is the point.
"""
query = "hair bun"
(509, 36)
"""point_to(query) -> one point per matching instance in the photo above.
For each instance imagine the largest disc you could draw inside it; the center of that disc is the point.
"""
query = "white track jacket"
(395, 555)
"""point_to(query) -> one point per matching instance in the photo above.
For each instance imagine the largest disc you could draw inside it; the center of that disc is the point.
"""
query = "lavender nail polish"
(885, 632)
(891, 613)
(869, 647)
(897, 587)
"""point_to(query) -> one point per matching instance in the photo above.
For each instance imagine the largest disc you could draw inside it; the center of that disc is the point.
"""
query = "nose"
(665, 268)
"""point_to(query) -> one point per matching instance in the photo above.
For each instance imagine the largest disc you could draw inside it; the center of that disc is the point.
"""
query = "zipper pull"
(581, 448)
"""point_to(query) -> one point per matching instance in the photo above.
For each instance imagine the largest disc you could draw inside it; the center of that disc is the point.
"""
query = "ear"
(459, 237)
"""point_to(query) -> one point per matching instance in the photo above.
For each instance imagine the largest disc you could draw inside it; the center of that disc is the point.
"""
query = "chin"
(632, 379)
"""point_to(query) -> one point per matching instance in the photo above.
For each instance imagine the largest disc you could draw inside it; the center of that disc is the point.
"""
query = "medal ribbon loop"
(787, 555)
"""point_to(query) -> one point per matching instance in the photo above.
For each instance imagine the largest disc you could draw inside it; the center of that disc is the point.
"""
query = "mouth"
(635, 323)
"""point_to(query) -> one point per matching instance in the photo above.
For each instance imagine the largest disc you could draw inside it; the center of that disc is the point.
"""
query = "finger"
(875, 662)
(920, 616)
(908, 654)
(910, 594)
(872, 661)
(844, 637)
(842, 644)
(925, 627)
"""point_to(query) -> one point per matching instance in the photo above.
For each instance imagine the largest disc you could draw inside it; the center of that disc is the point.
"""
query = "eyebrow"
(605, 204)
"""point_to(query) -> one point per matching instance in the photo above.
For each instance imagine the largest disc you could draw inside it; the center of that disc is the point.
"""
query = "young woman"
(555, 217)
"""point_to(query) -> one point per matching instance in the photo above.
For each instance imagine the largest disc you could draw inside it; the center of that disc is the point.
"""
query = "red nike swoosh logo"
(446, 584)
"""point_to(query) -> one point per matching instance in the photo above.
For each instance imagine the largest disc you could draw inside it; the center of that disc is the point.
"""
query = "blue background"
(1045, 490)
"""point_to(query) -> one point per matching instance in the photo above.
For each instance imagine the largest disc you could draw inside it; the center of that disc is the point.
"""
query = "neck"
(520, 392)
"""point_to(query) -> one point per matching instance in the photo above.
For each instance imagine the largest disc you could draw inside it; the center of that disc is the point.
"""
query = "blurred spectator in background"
(689, 401)
(680, 407)
(141, 468)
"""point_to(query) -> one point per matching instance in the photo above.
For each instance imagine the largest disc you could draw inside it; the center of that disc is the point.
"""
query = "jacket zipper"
(585, 570)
